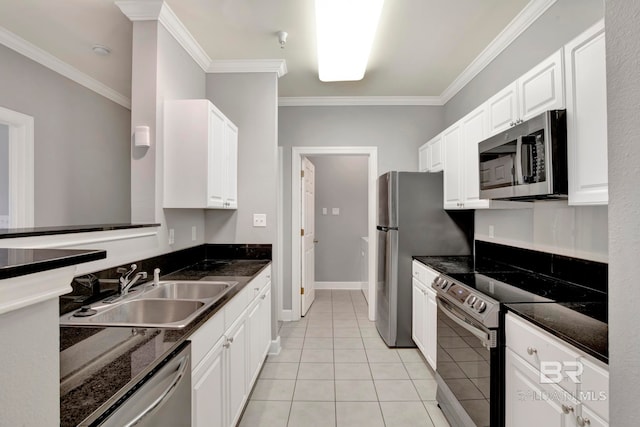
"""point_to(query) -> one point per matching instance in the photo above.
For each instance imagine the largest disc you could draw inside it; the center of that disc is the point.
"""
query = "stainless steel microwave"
(527, 161)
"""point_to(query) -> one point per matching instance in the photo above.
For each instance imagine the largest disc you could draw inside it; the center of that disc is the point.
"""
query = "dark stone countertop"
(582, 325)
(99, 363)
(19, 262)
(11, 233)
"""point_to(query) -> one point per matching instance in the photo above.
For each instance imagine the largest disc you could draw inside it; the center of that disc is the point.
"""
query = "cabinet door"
(231, 167)
(436, 163)
(216, 167)
(431, 328)
(208, 397)
(591, 419)
(474, 130)
(418, 315)
(587, 118)
(503, 109)
(528, 403)
(453, 157)
(236, 363)
(424, 154)
(259, 324)
(542, 88)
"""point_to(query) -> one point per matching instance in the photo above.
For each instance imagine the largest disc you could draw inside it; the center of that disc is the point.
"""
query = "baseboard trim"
(275, 347)
(340, 285)
(286, 315)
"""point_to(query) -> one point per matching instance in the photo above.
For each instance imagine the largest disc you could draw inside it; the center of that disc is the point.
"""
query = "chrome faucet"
(125, 282)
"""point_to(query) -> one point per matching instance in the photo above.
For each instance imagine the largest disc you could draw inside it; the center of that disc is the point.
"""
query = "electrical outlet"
(335, 211)
(172, 236)
(324, 211)
(259, 220)
(491, 231)
(194, 233)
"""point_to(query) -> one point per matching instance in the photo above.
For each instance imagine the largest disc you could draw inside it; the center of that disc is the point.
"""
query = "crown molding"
(158, 10)
(517, 26)
(24, 48)
(278, 66)
(314, 101)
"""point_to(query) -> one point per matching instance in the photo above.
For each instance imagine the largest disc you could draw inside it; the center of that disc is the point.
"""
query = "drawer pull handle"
(583, 421)
(566, 409)
(531, 351)
(263, 296)
(230, 339)
(256, 289)
(226, 345)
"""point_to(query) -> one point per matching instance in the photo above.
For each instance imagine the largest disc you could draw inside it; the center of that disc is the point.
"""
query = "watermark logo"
(553, 372)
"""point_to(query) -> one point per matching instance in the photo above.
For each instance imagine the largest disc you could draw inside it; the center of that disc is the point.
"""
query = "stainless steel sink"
(189, 290)
(169, 304)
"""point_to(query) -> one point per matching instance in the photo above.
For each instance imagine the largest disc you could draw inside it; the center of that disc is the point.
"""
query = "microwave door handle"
(519, 179)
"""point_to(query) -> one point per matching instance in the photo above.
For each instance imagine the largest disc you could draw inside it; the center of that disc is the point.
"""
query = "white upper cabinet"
(539, 90)
(586, 81)
(461, 176)
(430, 156)
(200, 156)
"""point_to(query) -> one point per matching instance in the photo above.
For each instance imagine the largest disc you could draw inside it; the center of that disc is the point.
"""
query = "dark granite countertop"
(99, 363)
(583, 325)
(10, 233)
(18, 262)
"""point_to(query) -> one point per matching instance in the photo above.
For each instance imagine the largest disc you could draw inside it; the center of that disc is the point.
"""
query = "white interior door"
(307, 221)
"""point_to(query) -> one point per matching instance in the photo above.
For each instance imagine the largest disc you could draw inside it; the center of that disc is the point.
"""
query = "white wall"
(623, 92)
(340, 182)
(549, 226)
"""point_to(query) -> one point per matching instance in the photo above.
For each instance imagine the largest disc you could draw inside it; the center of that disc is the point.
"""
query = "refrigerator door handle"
(382, 228)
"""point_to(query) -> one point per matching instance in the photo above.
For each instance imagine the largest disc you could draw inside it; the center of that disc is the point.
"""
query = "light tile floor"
(334, 370)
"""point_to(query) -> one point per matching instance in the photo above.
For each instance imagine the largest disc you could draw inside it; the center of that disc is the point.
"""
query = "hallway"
(335, 370)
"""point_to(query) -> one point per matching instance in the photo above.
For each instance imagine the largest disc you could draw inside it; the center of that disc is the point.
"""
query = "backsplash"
(549, 226)
(90, 288)
(586, 273)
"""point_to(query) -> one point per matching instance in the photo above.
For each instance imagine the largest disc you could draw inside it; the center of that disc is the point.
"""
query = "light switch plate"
(259, 220)
(335, 211)
(172, 238)
(324, 211)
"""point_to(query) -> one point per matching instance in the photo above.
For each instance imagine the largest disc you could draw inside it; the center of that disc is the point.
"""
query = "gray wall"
(340, 182)
(559, 24)
(396, 131)
(82, 140)
(250, 100)
(4, 169)
(623, 92)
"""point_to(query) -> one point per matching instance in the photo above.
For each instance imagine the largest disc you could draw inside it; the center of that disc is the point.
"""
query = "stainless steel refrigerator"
(411, 222)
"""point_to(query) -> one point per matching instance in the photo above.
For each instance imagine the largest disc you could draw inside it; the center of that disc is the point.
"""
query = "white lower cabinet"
(208, 381)
(223, 377)
(577, 397)
(424, 312)
(530, 403)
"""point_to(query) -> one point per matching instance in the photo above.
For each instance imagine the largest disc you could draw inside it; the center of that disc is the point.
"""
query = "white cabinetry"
(461, 176)
(223, 373)
(200, 156)
(424, 312)
(430, 156)
(539, 90)
(578, 397)
(586, 82)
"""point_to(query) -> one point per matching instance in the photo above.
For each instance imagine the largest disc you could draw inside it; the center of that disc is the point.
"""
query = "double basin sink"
(167, 304)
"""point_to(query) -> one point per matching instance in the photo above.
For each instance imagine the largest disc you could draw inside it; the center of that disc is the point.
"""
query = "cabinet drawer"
(423, 274)
(594, 388)
(258, 284)
(234, 308)
(539, 348)
(205, 336)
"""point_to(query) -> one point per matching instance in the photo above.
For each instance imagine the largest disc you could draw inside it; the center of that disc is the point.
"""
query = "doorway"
(17, 193)
(297, 207)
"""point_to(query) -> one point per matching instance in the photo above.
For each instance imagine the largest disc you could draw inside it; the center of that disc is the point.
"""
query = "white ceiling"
(420, 48)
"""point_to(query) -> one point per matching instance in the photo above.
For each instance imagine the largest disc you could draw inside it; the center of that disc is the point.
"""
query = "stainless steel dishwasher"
(161, 399)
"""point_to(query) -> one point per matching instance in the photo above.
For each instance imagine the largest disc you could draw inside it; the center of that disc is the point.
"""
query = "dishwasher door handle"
(165, 395)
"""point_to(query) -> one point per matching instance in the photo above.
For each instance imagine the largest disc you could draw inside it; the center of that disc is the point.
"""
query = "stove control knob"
(481, 306)
(471, 300)
(445, 285)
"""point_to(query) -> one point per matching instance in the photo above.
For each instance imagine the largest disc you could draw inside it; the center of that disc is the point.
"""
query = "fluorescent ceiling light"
(345, 30)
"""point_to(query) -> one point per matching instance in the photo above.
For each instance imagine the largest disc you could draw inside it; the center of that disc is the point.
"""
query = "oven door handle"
(487, 337)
